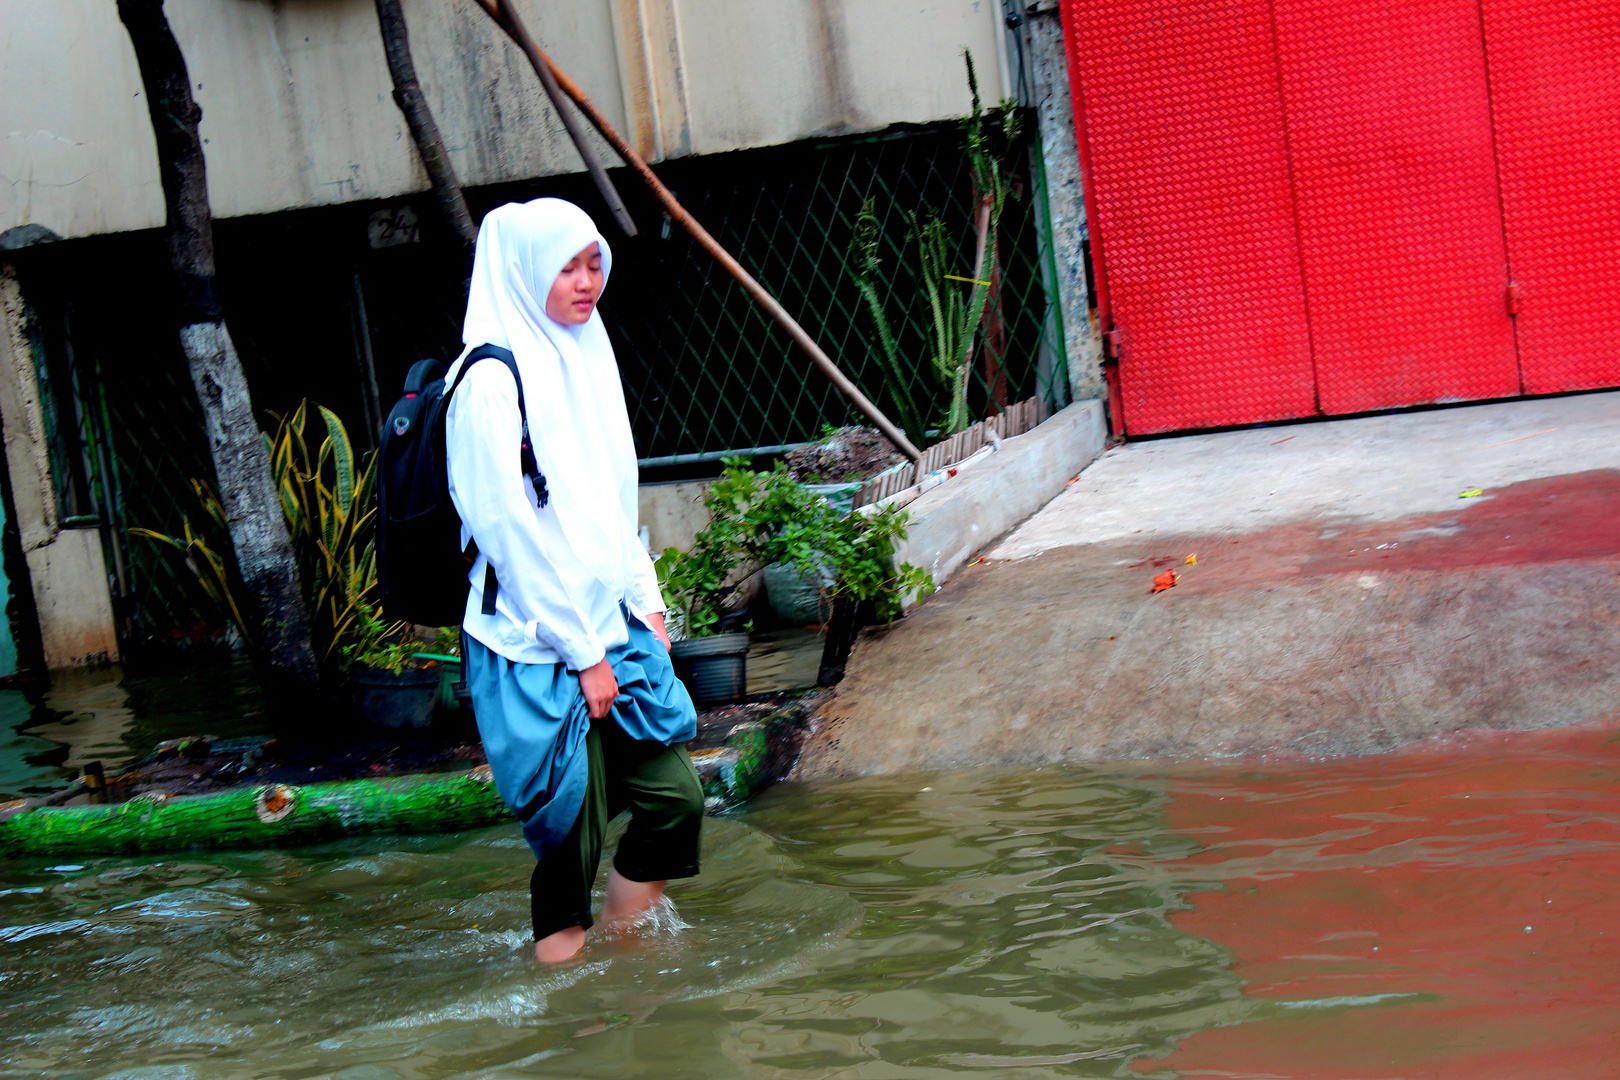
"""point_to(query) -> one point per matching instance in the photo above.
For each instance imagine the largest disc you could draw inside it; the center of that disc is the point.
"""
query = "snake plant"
(327, 498)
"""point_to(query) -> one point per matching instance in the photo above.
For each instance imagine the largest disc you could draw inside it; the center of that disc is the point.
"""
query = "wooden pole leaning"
(499, 11)
(507, 18)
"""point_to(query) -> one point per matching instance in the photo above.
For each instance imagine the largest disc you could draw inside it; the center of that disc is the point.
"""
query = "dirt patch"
(848, 454)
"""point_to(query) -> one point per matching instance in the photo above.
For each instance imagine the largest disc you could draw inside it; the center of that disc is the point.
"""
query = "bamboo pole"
(499, 11)
(504, 14)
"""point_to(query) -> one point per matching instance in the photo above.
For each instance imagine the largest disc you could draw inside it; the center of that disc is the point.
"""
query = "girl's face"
(573, 295)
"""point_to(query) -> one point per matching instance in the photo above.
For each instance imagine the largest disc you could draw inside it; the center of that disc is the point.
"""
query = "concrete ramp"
(1345, 598)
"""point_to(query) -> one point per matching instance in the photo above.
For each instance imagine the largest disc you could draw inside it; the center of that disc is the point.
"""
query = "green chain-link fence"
(125, 432)
(705, 371)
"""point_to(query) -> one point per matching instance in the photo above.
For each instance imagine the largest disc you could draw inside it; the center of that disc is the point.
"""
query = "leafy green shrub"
(374, 642)
(756, 519)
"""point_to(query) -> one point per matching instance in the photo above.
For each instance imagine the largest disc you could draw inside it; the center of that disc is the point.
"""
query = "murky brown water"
(1435, 914)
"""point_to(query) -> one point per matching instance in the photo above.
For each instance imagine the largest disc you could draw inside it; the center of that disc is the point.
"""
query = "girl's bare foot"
(626, 899)
(555, 948)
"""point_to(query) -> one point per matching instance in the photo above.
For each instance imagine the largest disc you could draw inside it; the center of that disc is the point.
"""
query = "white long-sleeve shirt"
(548, 606)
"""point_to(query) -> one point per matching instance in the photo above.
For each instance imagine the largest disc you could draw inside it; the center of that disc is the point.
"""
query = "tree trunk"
(264, 553)
(987, 257)
(419, 118)
(993, 351)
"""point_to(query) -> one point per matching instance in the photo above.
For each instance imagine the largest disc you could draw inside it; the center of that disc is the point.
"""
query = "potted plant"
(391, 680)
(712, 661)
(757, 520)
(328, 500)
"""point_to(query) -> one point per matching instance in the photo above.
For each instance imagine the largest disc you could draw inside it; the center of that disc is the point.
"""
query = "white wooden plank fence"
(1014, 420)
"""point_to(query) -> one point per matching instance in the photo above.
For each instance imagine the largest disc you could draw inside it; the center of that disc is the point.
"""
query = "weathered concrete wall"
(961, 516)
(673, 514)
(27, 448)
(67, 574)
(1065, 195)
(297, 108)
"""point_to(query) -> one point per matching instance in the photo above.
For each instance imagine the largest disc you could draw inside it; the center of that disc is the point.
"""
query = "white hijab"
(575, 401)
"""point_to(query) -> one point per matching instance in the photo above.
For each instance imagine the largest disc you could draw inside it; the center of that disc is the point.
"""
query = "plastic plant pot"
(714, 669)
(452, 692)
(391, 699)
(840, 496)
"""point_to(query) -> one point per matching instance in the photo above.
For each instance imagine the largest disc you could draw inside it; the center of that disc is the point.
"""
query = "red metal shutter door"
(1555, 88)
(1400, 219)
(1195, 221)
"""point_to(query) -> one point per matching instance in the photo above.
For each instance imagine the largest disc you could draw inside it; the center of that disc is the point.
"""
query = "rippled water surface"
(1443, 913)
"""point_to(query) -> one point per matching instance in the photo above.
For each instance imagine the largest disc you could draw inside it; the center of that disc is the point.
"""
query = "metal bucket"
(714, 669)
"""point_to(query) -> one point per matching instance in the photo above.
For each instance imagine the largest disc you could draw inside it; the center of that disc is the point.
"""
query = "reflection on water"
(1476, 890)
(28, 763)
(409, 951)
(87, 711)
(1000, 932)
(1349, 919)
(106, 715)
(784, 659)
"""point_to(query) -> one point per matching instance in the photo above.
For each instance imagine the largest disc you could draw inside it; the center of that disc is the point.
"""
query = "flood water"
(1438, 913)
(48, 734)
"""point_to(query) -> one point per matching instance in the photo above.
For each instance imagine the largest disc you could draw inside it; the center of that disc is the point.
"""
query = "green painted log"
(261, 816)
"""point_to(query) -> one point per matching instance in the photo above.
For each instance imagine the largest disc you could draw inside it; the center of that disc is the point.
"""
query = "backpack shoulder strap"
(487, 352)
(531, 468)
(526, 459)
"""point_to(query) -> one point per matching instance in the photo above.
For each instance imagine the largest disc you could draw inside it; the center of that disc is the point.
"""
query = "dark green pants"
(659, 787)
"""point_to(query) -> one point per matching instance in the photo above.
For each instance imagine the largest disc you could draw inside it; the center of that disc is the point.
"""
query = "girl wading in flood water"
(576, 700)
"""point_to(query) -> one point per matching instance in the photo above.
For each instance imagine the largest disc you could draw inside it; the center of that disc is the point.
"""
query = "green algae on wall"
(755, 755)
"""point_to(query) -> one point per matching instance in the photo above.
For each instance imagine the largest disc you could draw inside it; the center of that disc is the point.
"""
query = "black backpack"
(421, 565)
